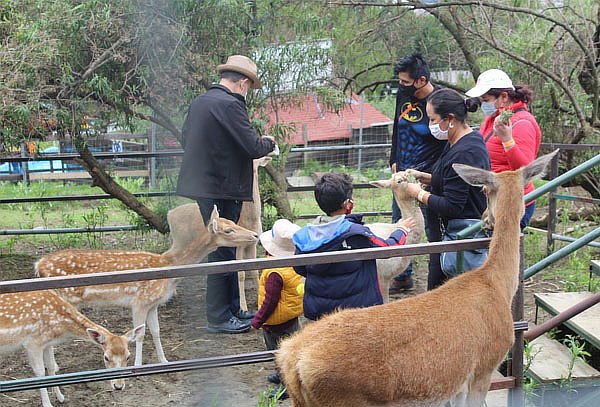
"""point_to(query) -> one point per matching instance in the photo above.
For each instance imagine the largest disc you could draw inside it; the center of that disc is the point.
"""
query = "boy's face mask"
(349, 207)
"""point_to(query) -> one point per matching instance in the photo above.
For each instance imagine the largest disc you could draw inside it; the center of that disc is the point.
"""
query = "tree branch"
(461, 41)
(103, 180)
(589, 57)
(107, 55)
(356, 75)
(578, 112)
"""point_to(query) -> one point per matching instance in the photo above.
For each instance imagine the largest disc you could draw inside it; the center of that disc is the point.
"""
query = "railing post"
(517, 395)
(24, 164)
(551, 208)
(153, 159)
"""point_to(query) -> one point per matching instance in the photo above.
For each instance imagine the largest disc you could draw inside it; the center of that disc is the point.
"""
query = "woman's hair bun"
(472, 104)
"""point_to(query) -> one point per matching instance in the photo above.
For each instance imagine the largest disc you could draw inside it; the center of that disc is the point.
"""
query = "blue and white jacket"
(350, 284)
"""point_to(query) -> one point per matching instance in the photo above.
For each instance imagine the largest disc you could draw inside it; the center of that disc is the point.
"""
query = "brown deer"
(39, 320)
(439, 346)
(143, 297)
(185, 222)
(388, 268)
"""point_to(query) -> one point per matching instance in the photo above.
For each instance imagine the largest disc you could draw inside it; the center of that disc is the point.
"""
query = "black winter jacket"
(219, 145)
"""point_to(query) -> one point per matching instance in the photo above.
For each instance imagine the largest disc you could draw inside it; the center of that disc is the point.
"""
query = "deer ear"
(135, 333)
(96, 336)
(477, 177)
(264, 161)
(537, 168)
(212, 227)
(215, 213)
(275, 151)
(384, 183)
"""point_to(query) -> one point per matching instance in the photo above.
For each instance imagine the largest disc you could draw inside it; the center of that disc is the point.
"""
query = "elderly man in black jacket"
(219, 145)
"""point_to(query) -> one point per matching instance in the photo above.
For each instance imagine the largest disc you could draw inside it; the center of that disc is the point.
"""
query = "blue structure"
(44, 166)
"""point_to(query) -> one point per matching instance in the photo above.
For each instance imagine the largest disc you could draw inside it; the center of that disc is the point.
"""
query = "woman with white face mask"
(511, 146)
(455, 203)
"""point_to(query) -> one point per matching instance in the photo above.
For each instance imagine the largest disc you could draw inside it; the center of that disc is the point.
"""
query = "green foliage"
(577, 352)
(385, 104)
(530, 352)
(270, 397)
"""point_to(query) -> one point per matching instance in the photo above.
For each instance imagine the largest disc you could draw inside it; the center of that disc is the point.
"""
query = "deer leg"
(52, 368)
(240, 255)
(478, 390)
(154, 327)
(36, 360)
(253, 274)
(139, 317)
(242, 288)
(384, 280)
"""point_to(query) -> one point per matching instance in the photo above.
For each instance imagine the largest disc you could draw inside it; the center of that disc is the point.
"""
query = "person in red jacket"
(510, 146)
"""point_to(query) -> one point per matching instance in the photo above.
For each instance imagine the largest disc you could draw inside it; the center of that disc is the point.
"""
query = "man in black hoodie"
(219, 145)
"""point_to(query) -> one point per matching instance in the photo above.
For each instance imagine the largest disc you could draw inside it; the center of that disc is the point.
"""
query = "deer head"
(491, 181)
(397, 183)
(115, 348)
(227, 233)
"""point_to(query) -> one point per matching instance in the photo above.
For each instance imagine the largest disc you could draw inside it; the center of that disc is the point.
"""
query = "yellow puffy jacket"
(290, 303)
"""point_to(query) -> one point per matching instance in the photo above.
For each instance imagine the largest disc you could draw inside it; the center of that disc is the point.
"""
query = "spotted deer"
(388, 268)
(440, 346)
(142, 297)
(190, 219)
(39, 320)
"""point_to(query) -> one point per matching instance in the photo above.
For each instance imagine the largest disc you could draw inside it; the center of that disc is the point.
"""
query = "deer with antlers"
(439, 346)
(142, 297)
(38, 320)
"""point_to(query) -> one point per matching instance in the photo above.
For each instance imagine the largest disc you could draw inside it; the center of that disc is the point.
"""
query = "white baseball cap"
(278, 241)
(491, 79)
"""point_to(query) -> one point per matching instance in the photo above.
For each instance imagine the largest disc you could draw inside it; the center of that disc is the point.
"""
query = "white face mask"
(438, 133)
(488, 108)
(244, 93)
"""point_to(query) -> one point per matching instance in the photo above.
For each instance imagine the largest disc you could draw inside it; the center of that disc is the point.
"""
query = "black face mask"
(410, 89)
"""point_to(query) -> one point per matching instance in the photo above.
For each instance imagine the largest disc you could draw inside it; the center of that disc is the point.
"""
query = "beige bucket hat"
(278, 241)
(243, 65)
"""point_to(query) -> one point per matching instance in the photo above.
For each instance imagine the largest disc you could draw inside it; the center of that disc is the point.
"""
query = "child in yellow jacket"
(280, 290)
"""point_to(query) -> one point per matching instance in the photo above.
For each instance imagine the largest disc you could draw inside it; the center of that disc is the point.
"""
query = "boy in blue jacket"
(349, 284)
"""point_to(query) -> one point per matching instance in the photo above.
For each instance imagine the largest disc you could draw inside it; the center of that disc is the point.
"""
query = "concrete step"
(551, 361)
(497, 398)
(586, 324)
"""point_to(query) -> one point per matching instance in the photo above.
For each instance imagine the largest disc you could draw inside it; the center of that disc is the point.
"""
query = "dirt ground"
(184, 336)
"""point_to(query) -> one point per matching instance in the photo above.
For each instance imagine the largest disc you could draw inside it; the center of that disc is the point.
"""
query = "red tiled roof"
(323, 125)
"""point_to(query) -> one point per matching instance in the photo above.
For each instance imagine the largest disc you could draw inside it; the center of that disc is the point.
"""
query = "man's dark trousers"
(222, 290)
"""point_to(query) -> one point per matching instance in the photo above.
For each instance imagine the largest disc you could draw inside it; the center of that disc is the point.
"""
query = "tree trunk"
(101, 179)
(454, 28)
(281, 200)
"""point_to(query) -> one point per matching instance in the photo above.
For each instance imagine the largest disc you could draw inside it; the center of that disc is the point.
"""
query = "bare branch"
(356, 75)
(457, 33)
(411, 4)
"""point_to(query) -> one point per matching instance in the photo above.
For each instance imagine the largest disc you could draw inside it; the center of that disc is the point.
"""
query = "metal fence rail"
(20, 232)
(211, 268)
(179, 152)
(189, 270)
(135, 371)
